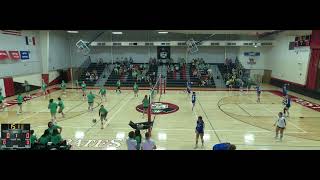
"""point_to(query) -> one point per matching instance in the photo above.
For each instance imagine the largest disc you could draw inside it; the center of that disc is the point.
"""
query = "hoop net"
(82, 47)
(192, 46)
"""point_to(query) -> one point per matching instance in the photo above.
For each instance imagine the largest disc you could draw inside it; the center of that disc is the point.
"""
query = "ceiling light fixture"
(117, 33)
(73, 32)
(162, 32)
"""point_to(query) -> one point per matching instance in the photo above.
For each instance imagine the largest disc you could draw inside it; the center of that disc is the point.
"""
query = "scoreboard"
(15, 136)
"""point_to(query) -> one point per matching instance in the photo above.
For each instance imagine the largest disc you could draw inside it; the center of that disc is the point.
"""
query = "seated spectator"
(95, 72)
(56, 138)
(52, 126)
(138, 138)
(45, 138)
(97, 78)
(148, 144)
(91, 77)
(33, 139)
(131, 142)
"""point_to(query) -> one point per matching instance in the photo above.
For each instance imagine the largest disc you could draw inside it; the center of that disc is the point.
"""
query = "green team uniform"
(103, 91)
(43, 86)
(145, 103)
(90, 98)
(53, 107)
(1, 99)
(53, 127)
(56, 139)
(33, 139)
(44, 140)
(135, 88)
(61, 105)
(118, 84)
(84, 87)
(19, 99)
(63, 86)
(103, 113)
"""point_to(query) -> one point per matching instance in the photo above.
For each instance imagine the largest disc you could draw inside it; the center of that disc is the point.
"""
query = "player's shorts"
(193, 102)
(280, 127)
(188, 90)
(284, 93)
(19, 104)
(198, 131)
(118, 87)
(103, 117)
(90, 103)
(145, 108)
(287, 107)
(258, 93)
(60, 110)
(53, 113)
(27, 89)
(0, 102)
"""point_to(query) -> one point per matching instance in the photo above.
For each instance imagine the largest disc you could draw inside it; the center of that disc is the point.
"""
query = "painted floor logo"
(160, 108)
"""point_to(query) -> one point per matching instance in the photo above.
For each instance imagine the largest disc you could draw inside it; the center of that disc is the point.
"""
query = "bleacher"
(195, 80)
(177, 79)
(93, 66)
(127, 79)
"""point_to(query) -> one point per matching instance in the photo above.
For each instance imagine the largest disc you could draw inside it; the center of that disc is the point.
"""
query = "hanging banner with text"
(24, 55)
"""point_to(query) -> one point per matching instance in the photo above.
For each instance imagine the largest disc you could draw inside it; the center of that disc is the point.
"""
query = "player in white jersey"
(280, 125)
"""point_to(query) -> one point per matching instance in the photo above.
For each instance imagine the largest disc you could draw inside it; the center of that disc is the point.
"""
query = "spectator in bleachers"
(87, 75)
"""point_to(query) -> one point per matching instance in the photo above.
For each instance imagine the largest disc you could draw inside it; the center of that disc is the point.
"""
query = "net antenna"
(83, 46)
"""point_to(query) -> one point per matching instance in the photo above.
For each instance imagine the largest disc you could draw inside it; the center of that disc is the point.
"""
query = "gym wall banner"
(163, 52)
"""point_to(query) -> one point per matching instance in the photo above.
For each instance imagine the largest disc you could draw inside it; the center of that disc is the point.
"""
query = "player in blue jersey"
(193, 99)
(224, 146)
(258, 89)
(287, 103)
(199, 130)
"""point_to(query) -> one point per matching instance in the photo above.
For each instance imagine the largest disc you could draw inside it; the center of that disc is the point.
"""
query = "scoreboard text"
(15, 136)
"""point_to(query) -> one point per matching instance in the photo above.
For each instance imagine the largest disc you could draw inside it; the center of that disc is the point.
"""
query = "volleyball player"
(103, 115)
(280, 125)
(103, 92)
(193, 99)
(2, 106)
(287, 103)
(84, 88)
(188, 87)
(199, 130)
(61, 106)
(27, 89)
(19, 101)
(44, 88)
(285, 90)
(90, 101)
(145, 104)
(258, 89)
(135, 89)
(63, 86)
(118, 86)
(53, 110)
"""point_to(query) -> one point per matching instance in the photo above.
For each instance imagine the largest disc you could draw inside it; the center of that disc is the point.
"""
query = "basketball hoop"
(82, 47)
(192, 46)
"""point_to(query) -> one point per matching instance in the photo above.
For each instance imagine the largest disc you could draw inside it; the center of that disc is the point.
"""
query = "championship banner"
(3, 55)
(15, 55)
(24, 55)
(163, 52)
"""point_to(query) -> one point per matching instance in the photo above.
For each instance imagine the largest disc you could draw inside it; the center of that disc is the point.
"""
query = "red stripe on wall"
(289, 82)
(8, 86)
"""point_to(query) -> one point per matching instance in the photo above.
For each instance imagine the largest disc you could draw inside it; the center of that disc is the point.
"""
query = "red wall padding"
(8, 86)
(45, 77)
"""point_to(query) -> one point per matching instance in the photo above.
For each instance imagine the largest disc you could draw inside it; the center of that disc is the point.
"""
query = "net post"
(149, 114)
(164, 86)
